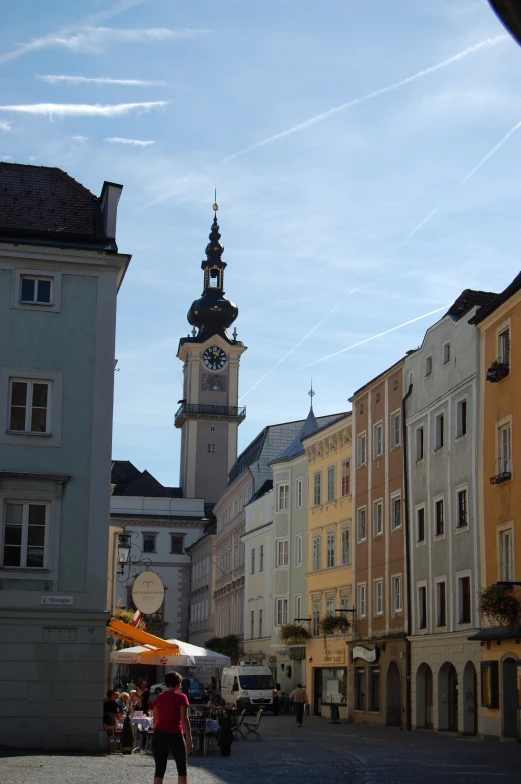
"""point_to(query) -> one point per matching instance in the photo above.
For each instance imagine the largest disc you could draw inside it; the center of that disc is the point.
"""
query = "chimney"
(109, 200)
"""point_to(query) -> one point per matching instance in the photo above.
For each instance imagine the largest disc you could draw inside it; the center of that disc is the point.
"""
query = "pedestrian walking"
(299, 698)
(170, 722)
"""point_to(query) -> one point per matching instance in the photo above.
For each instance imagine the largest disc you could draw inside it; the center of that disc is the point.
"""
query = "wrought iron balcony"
(504, 476)
(187, 410)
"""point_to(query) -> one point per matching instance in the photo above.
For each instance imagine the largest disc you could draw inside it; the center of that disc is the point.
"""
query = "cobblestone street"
(319, 753)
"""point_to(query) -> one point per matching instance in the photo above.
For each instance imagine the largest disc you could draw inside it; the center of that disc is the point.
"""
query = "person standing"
(299, 698)
(170, 713)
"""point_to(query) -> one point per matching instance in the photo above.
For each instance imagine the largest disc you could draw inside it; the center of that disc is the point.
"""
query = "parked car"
(197, 694)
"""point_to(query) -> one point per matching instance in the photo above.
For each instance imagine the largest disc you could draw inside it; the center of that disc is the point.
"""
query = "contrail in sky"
(485, 44)
(401, 245)
(373, 337)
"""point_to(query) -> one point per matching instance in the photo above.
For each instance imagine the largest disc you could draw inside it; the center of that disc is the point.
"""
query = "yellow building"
(328, 452)
(500, 507)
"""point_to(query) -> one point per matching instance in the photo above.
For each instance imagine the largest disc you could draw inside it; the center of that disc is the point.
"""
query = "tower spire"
(311, 394)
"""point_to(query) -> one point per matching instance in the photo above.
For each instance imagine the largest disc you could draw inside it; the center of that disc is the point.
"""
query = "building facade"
(329, 577)
(377, 685)
(442, 456)
(60, 271)
(202, 615)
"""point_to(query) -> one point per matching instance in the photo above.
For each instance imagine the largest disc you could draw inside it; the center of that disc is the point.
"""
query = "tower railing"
(211, 410)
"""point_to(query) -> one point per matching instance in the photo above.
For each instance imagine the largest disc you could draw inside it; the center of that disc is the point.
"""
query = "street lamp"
(123, 551)
(509, 14)
(130, 557)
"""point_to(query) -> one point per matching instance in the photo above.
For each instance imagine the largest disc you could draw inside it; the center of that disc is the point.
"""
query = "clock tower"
(209, 414)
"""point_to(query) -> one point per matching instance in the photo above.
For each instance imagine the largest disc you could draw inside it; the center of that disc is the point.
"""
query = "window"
(283, 497)
(378, 597)
(378, 440)
(361, 600)
(211, 448)
(507, 566)
(504, 450)
(281, 611)
(260, 622)
(298, 494)
(330, 550)
(176, 544)
(298, 550)
(317, 489)
(422, 607)
(461, 498)
(419, 443)
(420, 524)
(345, 543)
(315, 619)
(331, 477)
(149, 543)
(439, 522)
(374, 689)
(330, 606)
(362, 525)
(362, 449)
(252, 564)
(396, 512)
(428, 366)
(282, 552)
(396, 583)
(504, 346)
(346, 479)
(446, 353)
(396, 424)
(29, 406)
(464, 599)
(461, 418)
(35, 290)
(212, 429)
(490, 684)
(378, 518)
(252, 624)
(440, 425)
(441, 604)
(360, 688)
(24, 534)
(298, 607)
(316, 553)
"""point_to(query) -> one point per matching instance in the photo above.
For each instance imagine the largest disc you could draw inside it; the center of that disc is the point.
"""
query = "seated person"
(111, 710)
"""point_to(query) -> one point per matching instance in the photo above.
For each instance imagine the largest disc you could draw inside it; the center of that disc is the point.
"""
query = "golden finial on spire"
(215, 205)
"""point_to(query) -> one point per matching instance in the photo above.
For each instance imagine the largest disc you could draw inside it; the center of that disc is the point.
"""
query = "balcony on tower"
(208, 411)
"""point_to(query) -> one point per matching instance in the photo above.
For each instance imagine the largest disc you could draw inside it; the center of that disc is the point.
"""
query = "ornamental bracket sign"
(148, 592)
(371, 656)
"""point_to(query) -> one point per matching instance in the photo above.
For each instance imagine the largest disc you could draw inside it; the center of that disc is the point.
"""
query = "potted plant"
(293, 634)
(497, 371)
(499, 605)
(334, 624)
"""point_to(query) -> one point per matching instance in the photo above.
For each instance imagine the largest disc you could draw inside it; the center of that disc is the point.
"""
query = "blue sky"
(353, 215)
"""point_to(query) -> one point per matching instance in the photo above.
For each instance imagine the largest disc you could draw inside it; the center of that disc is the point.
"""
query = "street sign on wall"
(148, 592)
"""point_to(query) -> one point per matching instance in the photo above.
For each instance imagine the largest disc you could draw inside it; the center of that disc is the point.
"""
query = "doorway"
(509, 697)
(424, 697)
(393, 696)
(448, 698)
(470, 700)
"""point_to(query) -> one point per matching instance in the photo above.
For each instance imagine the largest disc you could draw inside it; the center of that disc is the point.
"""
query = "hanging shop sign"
(333, 655)
(370, 655)
(148, 592)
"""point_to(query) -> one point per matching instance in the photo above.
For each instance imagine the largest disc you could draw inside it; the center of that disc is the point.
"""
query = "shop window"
(360, 688)
(334, 686)
(374, 690)
(490, 684)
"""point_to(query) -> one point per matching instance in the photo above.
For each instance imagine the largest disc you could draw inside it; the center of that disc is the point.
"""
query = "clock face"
(214, 358)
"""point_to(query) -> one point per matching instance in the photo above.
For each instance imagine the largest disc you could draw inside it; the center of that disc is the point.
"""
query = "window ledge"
(438, 449)
(28, 433)
(421, 543)
(396, 528)
(437, 537)
(37, 304)
(419, 460)
(396, 446)
(25, 569)
(462, 529)
(375, 536)
(460, 437)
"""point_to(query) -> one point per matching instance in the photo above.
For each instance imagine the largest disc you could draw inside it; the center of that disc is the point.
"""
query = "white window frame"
(252, 560)
(504, 457)
(378, 440)
(420, 443)
(459, 577)
(396, 432)
(345, 539)
(29, 383)
(396, 497)
(317, 488)
(330, 607)
(378, 517)
(317, 552)
(211, 449)
(261, 558)
(281, 610)
(37, 279)
(396, 595)
(378, 593)
(331, 484)
(25, 502)
(428, 365)
(53, 436)
(361, 589)
(298, 606)
(461, 431)
(438, 581)
(358, 520)
(252, 624)
(446, 353)
(419, 508)
(298, 550)
(315, 619)
(259, 621)
(282, 553)
(298, 493)
(282, 497)
(361, 449)
(56, 285)
(348, 478)
(154, 535)
(435, 520)
(466, 525)
(330, 549)
(500, 332)
(422, 586)
(439, 430)
(506, 538)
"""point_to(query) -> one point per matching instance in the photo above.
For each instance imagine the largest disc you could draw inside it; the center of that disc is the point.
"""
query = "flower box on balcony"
(293, 634)
(497, 371)
(334, 624)
(499, 605)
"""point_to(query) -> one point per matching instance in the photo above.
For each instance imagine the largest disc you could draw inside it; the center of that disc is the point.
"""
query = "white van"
(248, 687)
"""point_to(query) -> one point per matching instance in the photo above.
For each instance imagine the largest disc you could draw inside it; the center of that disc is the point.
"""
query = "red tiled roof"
(43, 200)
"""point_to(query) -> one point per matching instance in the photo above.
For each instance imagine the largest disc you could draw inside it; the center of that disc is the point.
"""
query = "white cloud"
(59, 79)
(5, 157)
(132, 142)
(82, 109)
(80, 139)
(5, 126)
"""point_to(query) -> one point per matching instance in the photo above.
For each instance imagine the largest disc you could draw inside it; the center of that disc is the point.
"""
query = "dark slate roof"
(467, 300)
(249, 456)
(498, 300)
(129, 480)
(45, 203)
(328, 424)
(266, 487)
(295, 448)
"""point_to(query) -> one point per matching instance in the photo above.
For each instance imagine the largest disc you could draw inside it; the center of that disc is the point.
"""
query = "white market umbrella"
(189, 656)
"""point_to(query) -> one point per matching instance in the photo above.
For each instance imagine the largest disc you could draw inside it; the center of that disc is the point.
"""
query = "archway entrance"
(448, 698)
(470, 700)
(509, 697)
(424, 697)
(393, 696)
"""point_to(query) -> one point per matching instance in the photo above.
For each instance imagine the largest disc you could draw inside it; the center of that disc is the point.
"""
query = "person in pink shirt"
(170, 722)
